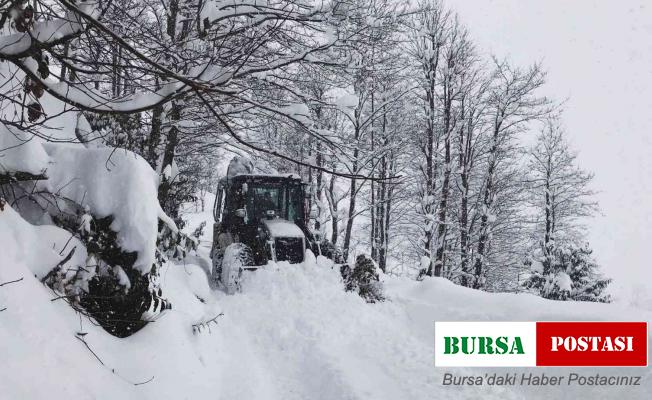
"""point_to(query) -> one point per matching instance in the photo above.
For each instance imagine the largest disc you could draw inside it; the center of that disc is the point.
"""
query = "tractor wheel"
(236, 257)
(217, 256)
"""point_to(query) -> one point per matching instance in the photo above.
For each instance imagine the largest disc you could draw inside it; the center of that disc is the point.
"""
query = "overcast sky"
(598, 53)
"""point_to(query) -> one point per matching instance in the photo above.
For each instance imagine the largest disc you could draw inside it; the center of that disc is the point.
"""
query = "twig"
(196, 328)
(147, 381)
(89, 349)
(6, 283)
(80, 337)
(66, 245)
(65, 296)
(57, 267)
(20, 177)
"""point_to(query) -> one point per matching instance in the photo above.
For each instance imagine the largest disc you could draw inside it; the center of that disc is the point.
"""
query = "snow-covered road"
(293, 333)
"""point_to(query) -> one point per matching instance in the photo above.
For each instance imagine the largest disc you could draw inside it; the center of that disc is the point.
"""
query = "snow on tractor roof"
(283, 228)
(238, 166)
(242, 168)
(265, 176)
(261, 177)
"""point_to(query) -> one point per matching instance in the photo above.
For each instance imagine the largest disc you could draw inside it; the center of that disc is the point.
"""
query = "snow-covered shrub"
(330, 251)
(567, 273)
(20, 154)
(112, 183)
(107, 199)
(174, 244)
(107, 287)
(364, 279)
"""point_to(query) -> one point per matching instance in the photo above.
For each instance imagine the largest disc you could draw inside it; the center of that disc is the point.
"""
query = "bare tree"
(559, 190)
(428, 33)
(459, 62)
(512, 103)
(471, 144)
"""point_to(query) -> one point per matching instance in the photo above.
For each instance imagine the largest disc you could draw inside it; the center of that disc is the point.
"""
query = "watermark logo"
(530, 344)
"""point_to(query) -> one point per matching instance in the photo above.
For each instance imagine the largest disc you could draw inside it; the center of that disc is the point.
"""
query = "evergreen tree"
(568, 273)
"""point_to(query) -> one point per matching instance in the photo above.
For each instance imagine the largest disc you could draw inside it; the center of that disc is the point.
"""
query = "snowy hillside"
(292, 333)
(438, 175)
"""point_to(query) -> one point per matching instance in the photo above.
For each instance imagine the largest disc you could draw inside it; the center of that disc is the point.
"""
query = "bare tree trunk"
(548, 235)
(464, 160)
(319, 189)
(385, 239)
(351, 217)
(430, 175)
(443, 207)
(334, 211)
(383, 205)
(487, 202)
(154, 137)
(353, 194)
(168, 158)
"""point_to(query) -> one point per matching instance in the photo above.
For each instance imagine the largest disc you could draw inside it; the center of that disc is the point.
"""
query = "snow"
(123, 279)
(239, 166)
(20, 152)
(40, 248)
(167, 172)
(85, 96)
(103, 180)
(298, 111)
(110, 182)
(283, 228)
(537, 266)
(563, 281)
(43, 32)
(221, 9)
(83, 128)
(424, 263)
(292, 333)
(347, 101)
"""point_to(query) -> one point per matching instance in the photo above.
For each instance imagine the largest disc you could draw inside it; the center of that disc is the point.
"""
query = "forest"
(421, 150)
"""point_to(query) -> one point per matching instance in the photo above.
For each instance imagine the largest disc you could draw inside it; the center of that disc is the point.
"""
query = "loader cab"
(266, 213)
(248, 199)
(260, 219)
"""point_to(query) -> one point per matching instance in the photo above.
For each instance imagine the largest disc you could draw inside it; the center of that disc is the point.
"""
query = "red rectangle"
(592, 344)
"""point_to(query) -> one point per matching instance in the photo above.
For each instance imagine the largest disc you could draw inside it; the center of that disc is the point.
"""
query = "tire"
(236, 256)
(217, 256)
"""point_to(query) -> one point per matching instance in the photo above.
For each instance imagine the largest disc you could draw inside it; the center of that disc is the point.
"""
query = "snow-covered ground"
(292, 333)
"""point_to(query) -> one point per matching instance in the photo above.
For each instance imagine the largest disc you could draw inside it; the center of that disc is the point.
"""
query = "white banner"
(485, 344)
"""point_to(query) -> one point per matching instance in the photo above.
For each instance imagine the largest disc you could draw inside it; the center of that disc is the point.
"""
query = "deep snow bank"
(110, 182)
(39, 353)
(292, 333)
(104, 180)
(20, 152)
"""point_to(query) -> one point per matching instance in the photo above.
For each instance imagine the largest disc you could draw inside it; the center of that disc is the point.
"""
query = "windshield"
(274, 200)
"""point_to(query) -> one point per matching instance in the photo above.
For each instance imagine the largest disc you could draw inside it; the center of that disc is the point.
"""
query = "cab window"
(267, 200)
(295, 203)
